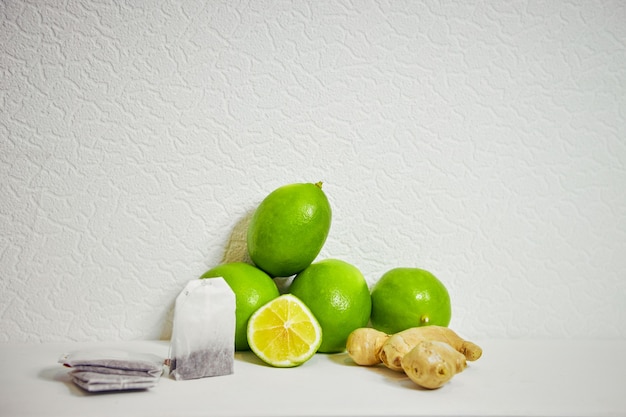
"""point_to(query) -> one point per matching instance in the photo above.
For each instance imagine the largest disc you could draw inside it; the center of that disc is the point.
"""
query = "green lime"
(338, 295)
(289, 228)
(409, 297)
(252, 287)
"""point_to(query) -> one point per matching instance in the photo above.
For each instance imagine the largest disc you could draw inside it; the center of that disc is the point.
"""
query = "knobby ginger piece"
(431, 364)
(401, 343)
(364, 345)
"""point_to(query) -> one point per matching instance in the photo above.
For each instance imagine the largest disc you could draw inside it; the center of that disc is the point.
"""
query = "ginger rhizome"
(431, 364)
(429, 355)
(401, 343)
(364, 345)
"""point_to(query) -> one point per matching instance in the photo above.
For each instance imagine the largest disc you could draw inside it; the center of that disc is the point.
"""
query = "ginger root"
(431, 364)
(429, 355)
(401, 343)
(364, 345)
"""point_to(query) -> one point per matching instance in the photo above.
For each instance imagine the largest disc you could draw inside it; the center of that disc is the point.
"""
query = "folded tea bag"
(203, 334)
(96, 382)
(113, 370)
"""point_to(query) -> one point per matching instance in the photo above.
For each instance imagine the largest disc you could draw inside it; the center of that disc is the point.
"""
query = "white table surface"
(513, 378)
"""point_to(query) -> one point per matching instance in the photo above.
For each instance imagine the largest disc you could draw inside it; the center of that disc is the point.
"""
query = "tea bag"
(113, 370)
(203, 334)
(96, 382)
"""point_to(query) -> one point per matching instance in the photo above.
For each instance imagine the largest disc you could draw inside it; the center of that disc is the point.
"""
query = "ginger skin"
(431, 364)
(364, 345)
(401, 343)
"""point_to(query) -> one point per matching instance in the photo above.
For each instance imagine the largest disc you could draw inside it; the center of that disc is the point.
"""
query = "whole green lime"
(289, 228)
(252, 287)
(409, 297)
(337, 294)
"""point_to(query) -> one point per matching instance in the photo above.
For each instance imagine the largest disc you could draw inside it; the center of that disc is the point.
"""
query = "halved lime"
(284, 332)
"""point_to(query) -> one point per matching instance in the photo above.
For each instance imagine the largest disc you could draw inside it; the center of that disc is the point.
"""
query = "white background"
(483, 141)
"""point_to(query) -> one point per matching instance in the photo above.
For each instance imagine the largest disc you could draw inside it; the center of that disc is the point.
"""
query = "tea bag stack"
(203, 334)
(202, 345)
(113, 370)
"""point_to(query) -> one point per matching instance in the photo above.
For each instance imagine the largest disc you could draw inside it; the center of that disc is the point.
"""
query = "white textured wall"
(484, 141)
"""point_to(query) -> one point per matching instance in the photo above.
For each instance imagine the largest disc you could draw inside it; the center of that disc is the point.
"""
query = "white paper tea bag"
(203, 334)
